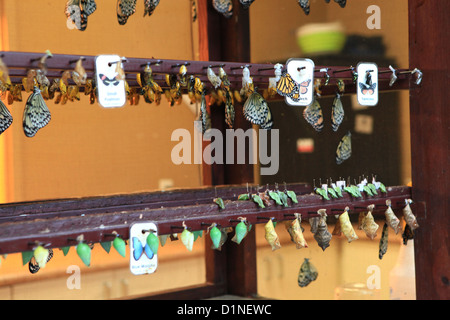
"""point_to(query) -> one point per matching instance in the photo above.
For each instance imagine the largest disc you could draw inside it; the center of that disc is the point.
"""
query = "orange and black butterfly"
(287, 87)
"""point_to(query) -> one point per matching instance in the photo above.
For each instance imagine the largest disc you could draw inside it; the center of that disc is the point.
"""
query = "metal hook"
(180, 64)
(241, 67)
(115, 62)
(73, 61)
(344, 70)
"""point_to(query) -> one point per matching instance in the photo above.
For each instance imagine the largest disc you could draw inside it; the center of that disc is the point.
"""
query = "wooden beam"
(430, 148)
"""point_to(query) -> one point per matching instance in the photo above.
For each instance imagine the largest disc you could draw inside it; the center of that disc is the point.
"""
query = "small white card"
(142, 259)
(302, 72)
(367, 84)
(110, 88)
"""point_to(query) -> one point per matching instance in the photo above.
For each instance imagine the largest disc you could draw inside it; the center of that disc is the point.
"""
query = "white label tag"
(111, 91)
(367, 84)
(302, 72)
(142, 259)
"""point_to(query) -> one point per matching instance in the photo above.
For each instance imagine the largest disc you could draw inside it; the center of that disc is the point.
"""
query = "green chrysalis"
(275, 197)
(153, 242)
(215, 235)
(257, 199)
(292, 195)
(332, 192)
(283, 198)
(372, 188)
(120, 246)
(84, 252)
(323, 193)
(198, 233)
(241, 231)
(368, 190)
(220, 203)
(383, 188)
(244, 196)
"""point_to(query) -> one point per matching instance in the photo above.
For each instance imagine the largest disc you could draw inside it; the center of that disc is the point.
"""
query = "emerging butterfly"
(5, 117)
(107, 81)
(337, 112)
(34, 267)
(314, 116)
(256, 109)
(225, 7)
(125, 9)
(36, 114)
(344, 149)
(139, 249)
(150, 6)
(286, 86)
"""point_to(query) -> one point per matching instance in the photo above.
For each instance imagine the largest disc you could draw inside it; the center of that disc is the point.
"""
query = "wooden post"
(430, 149)
(223, 39)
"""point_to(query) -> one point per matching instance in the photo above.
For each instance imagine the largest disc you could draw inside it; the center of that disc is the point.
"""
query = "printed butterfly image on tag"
(110, 80)
(298, 87)
(144, 244)
(367, 89)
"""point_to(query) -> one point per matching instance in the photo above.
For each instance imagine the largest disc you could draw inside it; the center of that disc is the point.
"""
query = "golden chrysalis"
(410, 218)
(368, 224)
(391, 218)
(346, 226)
(295, 231)
(271, 236)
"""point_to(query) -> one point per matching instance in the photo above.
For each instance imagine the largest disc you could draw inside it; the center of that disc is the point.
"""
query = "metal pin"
(265, 218)
(340, 210)
(73, 61)
(241, 67)
(177, 227)
(37, 59)
(115, 62)
(344, 70)
(214, 66)
(289, 214)
(356, 207)
(234, 220)
(180, 64)
(265, 69)
(152, 63)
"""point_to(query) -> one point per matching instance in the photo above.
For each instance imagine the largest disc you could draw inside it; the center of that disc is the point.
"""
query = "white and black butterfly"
(344, 149)
(36, 114)
(256, 109)
(246, 3)
(337, 112)
(5, 117)
(304, 4)
(150, 6)
(125, 9)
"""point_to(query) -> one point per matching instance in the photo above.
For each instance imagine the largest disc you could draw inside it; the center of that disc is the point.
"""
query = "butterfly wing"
(267, 125)
(5, 117)
(148, 252)
(286, 86)
(344, 149)
(33, 266)
(36, 114)
(256, 109)
(138, 250)
(125, 8)
(304, 86)
(337, 113)
(314, 116)
(150, 6)
(225, 7)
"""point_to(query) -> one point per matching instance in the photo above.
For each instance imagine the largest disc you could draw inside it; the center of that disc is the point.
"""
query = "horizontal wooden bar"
(20, 62)
(202, 291)
(17, 235)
